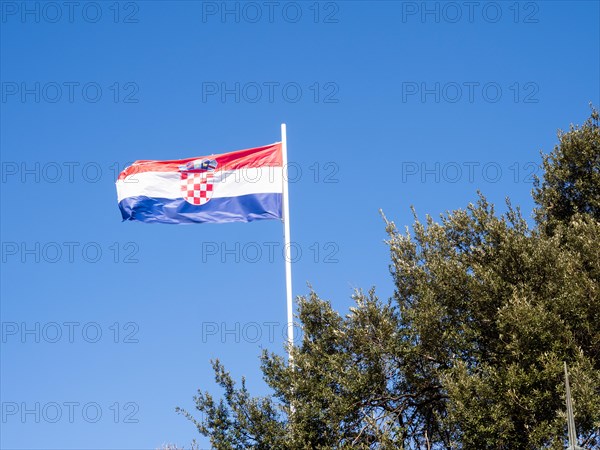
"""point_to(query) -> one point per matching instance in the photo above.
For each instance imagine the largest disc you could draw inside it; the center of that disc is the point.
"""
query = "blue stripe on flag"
(244, 208)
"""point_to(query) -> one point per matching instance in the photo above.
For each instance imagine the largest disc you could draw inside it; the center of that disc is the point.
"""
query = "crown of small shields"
(199, 165)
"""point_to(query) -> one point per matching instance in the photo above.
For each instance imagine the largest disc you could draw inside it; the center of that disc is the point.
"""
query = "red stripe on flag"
(267, 156)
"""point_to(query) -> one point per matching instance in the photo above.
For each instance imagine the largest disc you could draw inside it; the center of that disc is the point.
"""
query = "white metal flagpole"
(570, 419)
(287, 247)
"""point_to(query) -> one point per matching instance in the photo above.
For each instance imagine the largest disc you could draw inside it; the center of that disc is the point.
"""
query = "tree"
(469, 352)
(571, 182)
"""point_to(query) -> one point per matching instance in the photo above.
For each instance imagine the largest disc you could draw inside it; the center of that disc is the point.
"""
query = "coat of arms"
(197, 181)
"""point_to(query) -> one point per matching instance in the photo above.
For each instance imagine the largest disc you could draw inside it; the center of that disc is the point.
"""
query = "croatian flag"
(240, 186)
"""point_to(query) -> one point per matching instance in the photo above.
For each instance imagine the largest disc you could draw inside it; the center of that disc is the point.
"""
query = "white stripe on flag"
(231, 183)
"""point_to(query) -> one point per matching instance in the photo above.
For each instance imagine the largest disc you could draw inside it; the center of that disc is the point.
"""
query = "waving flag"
(240, 186)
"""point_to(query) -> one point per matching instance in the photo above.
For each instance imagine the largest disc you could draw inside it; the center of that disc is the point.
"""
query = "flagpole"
(570, 418)
(287, 246)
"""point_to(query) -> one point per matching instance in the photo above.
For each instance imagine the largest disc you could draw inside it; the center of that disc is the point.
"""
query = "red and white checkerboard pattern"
(197, 188)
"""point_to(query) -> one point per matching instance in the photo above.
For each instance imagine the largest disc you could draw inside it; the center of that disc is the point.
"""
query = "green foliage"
(469, 352)
(239, 421)
(571, 175)
(495, 308)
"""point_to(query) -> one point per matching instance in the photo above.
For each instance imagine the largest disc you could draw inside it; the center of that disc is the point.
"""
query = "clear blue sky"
(387, 105)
